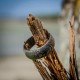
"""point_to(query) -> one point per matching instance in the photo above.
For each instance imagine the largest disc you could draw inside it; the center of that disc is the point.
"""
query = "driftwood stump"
(49, 66)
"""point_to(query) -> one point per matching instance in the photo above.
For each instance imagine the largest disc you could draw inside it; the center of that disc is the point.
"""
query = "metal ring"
(38, 52)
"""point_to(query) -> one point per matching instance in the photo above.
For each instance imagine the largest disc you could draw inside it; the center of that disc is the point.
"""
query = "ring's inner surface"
(29, 43)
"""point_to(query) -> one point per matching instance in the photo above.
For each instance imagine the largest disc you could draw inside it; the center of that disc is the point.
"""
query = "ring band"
(38, 52)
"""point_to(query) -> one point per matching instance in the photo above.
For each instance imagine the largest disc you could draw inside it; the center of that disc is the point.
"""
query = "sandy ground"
(18, 68)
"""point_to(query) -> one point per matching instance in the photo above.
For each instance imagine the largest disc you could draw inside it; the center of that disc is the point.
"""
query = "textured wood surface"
(49, 66)
(73, 63)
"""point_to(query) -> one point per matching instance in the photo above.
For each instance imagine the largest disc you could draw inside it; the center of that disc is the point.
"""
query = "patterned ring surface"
(38, 52)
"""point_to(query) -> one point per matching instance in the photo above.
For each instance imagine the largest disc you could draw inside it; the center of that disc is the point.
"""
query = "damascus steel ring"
(38, 52)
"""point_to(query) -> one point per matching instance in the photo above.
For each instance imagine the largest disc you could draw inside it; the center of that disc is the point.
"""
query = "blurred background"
(55, 16)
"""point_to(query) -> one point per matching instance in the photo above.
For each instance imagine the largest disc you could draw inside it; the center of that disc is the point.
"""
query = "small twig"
(73, 63)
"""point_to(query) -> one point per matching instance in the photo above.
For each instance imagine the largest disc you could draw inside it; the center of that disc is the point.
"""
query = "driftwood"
(49, 66)
(73, 63)
(51, 61)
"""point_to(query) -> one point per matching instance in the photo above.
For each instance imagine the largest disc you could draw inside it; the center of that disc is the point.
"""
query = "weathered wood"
(73, 63)
(51, 61)
(40, 39)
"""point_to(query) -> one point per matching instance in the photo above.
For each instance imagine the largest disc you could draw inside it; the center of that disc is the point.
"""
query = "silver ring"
(38, 52)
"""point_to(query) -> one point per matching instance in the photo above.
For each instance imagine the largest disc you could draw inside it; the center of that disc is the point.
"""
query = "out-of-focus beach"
(14, 65)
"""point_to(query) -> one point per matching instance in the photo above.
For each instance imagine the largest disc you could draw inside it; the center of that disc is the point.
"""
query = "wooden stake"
(51, 61)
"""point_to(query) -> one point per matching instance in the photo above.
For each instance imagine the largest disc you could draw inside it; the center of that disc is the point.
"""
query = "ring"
(38, 52)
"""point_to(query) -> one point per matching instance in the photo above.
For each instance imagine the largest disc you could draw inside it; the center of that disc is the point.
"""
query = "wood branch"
(40, 39)
(37, 30)
(51, 61)
(73, 63)
(44, 73)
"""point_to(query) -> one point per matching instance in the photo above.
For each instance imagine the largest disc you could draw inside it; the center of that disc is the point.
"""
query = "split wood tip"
(30, 20)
